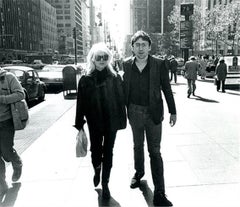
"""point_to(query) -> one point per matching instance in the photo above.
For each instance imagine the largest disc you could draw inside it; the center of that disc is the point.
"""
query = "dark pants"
(7, 152)
(219, 82)
(175, 76)
(191, 86)
(102, 144)
(141, 123)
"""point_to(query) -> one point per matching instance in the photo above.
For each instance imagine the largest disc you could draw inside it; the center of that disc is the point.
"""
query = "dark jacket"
(101, 103)
(221, 71)
(159, 81)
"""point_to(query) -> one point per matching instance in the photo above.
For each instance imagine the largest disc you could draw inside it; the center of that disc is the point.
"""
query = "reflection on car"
(33, 87)
(52, 75)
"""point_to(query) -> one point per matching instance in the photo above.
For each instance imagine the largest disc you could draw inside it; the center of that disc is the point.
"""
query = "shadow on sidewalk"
(103, 202)
(147, 192)
(11, 195)
(199, 98)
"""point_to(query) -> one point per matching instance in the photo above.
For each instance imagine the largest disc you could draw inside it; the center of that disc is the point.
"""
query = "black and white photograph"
(119, 103)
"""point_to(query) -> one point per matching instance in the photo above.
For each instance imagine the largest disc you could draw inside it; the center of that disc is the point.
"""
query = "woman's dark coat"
(101, 103)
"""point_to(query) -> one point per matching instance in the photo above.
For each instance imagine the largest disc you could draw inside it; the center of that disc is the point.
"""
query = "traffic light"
(74, 32)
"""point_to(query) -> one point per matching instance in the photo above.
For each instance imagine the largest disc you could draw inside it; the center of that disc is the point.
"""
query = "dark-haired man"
(144, 78)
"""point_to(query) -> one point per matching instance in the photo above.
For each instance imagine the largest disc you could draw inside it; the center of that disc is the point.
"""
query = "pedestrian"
(221, 73)
(173, 69)
(100, 100)
(8, 81)
(191, 70)
(144, 78)
(203, 66)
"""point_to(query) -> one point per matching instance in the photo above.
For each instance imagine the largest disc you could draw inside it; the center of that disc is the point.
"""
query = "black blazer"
(159, 81)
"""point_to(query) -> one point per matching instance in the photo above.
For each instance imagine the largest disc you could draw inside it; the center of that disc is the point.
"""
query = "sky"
(118, 18)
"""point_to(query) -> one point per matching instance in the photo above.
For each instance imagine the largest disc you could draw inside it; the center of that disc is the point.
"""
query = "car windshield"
(18, 73)
(53, 68)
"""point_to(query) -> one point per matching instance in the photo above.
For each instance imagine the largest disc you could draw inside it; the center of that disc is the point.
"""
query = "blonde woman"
(100, 101)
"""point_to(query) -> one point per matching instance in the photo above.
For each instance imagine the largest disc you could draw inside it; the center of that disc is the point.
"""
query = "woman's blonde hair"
(99, 47)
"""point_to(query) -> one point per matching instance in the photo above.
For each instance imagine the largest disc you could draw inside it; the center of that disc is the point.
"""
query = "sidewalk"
(201, 156)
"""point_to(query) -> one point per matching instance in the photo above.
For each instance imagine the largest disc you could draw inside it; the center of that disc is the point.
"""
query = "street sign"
(186, 35)
(186, 9)
(186, 25)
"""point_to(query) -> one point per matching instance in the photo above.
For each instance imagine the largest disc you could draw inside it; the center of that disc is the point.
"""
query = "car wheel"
(41, 94)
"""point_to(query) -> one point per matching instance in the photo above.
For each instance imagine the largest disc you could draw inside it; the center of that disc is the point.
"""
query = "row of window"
(65, 17)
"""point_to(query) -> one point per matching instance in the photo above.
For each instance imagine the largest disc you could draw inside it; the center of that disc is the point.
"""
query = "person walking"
(8, 81)
(203, 66)
(221, 74)
(144, 78)
(191, 69)
(173, 69)
(100, 100)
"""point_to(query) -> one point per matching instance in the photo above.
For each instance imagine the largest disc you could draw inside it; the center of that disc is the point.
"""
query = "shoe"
(105, 192)
(17, 172)
(193, 94)
(3, 188)
(160, 199)
(189, 95)
(96, 178)
(135, 182)
(223, 91)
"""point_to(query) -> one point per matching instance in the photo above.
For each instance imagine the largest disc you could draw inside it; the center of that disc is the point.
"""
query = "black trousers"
(102, 144)
(219, 83)
(7, 152)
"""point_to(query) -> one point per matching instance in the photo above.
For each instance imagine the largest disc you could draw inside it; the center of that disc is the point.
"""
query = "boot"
(96, 178)
(3, 184)
(105, 180)
(17, 167)
(105, 191)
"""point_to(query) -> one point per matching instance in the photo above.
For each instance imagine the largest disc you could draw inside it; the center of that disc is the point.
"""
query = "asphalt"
(201, 156)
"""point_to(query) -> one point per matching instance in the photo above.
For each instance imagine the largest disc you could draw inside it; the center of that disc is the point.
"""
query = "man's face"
(141, 48)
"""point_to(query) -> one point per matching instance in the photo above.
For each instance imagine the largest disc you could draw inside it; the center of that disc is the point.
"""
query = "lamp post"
(75, 44)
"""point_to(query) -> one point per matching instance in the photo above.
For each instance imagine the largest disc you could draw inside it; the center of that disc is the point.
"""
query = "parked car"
(52, 76)
(33, 87)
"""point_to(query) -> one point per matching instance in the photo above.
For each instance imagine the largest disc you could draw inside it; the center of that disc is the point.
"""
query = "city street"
(201, 156)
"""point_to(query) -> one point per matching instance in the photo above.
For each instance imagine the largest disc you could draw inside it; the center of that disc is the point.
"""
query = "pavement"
(201, 156)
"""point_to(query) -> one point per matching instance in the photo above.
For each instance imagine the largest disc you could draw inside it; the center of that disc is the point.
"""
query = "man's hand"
(173, 119)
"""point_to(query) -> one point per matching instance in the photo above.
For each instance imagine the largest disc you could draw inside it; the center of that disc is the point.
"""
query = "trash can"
(71, 76)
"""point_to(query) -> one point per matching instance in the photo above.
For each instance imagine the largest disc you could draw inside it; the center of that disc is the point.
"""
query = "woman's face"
(101, 60)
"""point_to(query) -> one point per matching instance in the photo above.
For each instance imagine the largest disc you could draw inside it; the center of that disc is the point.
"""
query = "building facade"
(150, 15)
(20, 28)
(48, 43)
(72, 14)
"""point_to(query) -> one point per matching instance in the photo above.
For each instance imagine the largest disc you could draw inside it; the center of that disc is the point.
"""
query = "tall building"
(150, 15)
(71, 14)
(48, 43)
(26, 27)
(20, 28)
